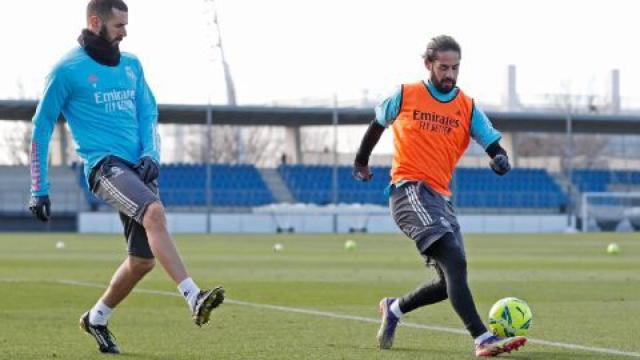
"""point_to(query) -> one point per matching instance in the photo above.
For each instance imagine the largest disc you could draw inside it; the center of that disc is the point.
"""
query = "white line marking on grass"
(359, 318)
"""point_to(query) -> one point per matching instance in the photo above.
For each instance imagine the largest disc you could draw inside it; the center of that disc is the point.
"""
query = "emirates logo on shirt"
(434, 122)
(436, 118)
(116, 100)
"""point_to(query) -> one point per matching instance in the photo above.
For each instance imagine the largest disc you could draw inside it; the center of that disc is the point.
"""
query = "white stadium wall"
(321, 223)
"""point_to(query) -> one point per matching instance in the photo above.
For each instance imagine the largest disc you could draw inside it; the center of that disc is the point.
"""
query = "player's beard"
(104, 34)
(99, 48)
(444, 86)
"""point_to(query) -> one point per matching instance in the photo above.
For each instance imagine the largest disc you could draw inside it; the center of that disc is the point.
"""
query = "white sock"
(480, 339)
(190, 291)
(100, 314)
(395, 308)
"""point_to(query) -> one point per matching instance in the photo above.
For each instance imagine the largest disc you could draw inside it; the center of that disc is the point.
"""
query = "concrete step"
(276, 184)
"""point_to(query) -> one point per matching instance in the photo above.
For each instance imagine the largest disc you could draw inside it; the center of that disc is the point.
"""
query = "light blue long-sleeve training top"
(481, 129)
(110, 110)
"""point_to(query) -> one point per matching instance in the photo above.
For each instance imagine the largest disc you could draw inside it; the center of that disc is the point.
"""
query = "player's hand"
(500, 164)
(147, 169)
(361, 172)
(40, 207)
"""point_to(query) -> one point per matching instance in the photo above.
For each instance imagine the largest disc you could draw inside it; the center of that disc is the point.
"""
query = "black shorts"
(424, 215)
(116, 182)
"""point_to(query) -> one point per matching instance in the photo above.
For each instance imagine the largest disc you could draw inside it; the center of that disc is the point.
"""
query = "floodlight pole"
(585, 212)
(334, 183)
(569, 169)
(230, 86)
(228, 79)
(207, 161)
(62, 130)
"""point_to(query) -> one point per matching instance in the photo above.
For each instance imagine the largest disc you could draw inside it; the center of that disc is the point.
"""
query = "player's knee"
(441, 282)
(141, 266)
(440, 288)
(452, 268)
(450, 256)
(457, 269)
(154, 216)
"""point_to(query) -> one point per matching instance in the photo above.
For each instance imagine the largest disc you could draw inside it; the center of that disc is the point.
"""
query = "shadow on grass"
(413, 352)
(404, 352)
(550, 355)
(139, 355)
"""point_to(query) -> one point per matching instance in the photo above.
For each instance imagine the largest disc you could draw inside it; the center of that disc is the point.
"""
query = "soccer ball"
(510, 317)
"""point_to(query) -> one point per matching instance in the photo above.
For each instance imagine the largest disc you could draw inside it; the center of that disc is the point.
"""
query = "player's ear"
(93, 22)
(428, 64)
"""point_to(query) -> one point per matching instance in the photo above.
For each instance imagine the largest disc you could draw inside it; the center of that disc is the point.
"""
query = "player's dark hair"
(438, 44)
(104, 8)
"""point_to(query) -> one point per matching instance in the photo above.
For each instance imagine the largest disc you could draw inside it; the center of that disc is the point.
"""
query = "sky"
(281, 50)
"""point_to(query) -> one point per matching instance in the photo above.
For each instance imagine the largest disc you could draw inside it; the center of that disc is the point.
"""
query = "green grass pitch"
(314, 300)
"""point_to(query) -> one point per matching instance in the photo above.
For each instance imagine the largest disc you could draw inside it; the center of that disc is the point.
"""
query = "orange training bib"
(430, 136)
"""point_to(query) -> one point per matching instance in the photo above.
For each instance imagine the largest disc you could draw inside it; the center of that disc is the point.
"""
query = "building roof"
(300, 116)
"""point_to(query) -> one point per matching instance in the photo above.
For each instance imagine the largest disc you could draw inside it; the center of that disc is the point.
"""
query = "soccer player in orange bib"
(432, 123)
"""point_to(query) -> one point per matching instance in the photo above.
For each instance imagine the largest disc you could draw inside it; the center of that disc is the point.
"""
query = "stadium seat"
(473, 187)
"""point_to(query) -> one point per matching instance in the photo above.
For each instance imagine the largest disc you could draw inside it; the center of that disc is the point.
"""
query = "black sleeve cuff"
(495, 149)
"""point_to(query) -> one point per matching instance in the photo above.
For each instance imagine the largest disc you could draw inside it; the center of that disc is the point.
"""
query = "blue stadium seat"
(590, 180)
(520, 188)
(599, 180)
(473, 187)
(314, 183)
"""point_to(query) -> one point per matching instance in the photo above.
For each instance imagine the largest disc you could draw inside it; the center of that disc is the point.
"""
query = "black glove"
(40, 207)
(147, 169)
(500, 164)
(361, 172)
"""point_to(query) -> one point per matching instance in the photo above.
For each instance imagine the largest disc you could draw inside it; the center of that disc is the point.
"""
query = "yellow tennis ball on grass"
(350, 245)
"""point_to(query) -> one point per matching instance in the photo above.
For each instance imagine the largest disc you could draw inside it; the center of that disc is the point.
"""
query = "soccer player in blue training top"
(432, 124)
(112, 113)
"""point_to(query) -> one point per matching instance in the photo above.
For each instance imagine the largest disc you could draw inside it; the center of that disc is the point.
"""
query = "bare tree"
(317, 138)
(584, 150)
(16, 137)
(588, 149)
(263, 145)
(256, 145)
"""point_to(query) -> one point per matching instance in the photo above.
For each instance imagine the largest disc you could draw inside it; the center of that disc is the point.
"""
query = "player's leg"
(429, 293)
(451, 260)
(118, 184)
(413, 219)
(139, 262)
(438, 219)
(392, 309)
(162, 246)
(201, 302)
(448, 253)
(94, 322)
(130, 272)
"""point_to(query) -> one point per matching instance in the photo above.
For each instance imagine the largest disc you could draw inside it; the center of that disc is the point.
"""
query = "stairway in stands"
(278, 188)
